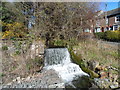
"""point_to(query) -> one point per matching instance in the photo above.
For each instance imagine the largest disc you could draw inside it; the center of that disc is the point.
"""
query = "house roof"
(113, 12)
(110, 13)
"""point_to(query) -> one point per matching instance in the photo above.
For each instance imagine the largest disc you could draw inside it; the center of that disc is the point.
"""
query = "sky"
(110, 5)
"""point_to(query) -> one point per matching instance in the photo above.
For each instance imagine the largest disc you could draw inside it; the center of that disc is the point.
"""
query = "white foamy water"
(59, 60)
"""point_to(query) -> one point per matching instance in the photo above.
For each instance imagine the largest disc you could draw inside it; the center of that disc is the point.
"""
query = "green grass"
(90, 50)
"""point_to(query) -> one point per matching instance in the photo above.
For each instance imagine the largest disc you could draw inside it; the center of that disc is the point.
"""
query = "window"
(118, 18)
(115, 27)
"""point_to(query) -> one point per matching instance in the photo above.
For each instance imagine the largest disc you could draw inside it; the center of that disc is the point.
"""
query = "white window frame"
(116, 19)
(114, 27)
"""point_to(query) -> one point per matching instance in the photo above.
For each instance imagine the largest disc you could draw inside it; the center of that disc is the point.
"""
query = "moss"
(90, 72)
(78, 60)
(76, 57)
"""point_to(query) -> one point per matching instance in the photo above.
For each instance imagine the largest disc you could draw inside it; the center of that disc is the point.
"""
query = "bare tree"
(53, 20)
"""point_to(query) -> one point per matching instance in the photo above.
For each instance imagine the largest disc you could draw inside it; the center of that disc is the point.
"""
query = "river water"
(59, 60)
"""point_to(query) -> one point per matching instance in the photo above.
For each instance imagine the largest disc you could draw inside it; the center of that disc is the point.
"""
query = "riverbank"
(100, 56)
(103, 59)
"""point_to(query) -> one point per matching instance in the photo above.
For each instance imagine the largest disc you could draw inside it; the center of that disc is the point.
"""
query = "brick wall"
(102, 22)
(111, 21)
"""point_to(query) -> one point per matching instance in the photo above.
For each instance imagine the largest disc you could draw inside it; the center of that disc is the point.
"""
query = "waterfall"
(59, 60)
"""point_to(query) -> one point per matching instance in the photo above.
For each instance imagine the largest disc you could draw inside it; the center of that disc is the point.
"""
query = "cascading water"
(59, 60)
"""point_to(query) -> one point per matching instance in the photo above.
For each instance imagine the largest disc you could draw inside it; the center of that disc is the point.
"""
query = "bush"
(100, 35)
(109, 35)
(59, 42)
(64, 43)
(14, 30)
(4, 48)
(112, 35)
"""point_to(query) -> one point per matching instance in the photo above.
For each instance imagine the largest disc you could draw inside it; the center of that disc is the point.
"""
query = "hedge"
(109, 35)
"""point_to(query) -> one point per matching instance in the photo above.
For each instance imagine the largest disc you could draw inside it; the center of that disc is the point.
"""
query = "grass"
(17, 62)
(33, 63)
(78, 60)
(91, 50)
(88, 50)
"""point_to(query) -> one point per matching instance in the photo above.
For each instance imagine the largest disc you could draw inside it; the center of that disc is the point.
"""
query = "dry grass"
(21, 65)
(93, 50)
(18, 64)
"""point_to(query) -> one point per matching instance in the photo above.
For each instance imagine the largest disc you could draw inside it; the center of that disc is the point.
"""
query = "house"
(100, 21)
(109, 20)
(114, 19)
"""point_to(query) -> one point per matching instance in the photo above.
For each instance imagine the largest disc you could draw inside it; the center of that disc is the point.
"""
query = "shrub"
(112, 35)
(99, 35)
(59, 42)
(4, 47)
(109, 35)
(14, 30)
(64, 43)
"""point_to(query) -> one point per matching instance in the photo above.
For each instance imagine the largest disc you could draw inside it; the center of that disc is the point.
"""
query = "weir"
(59, 60)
